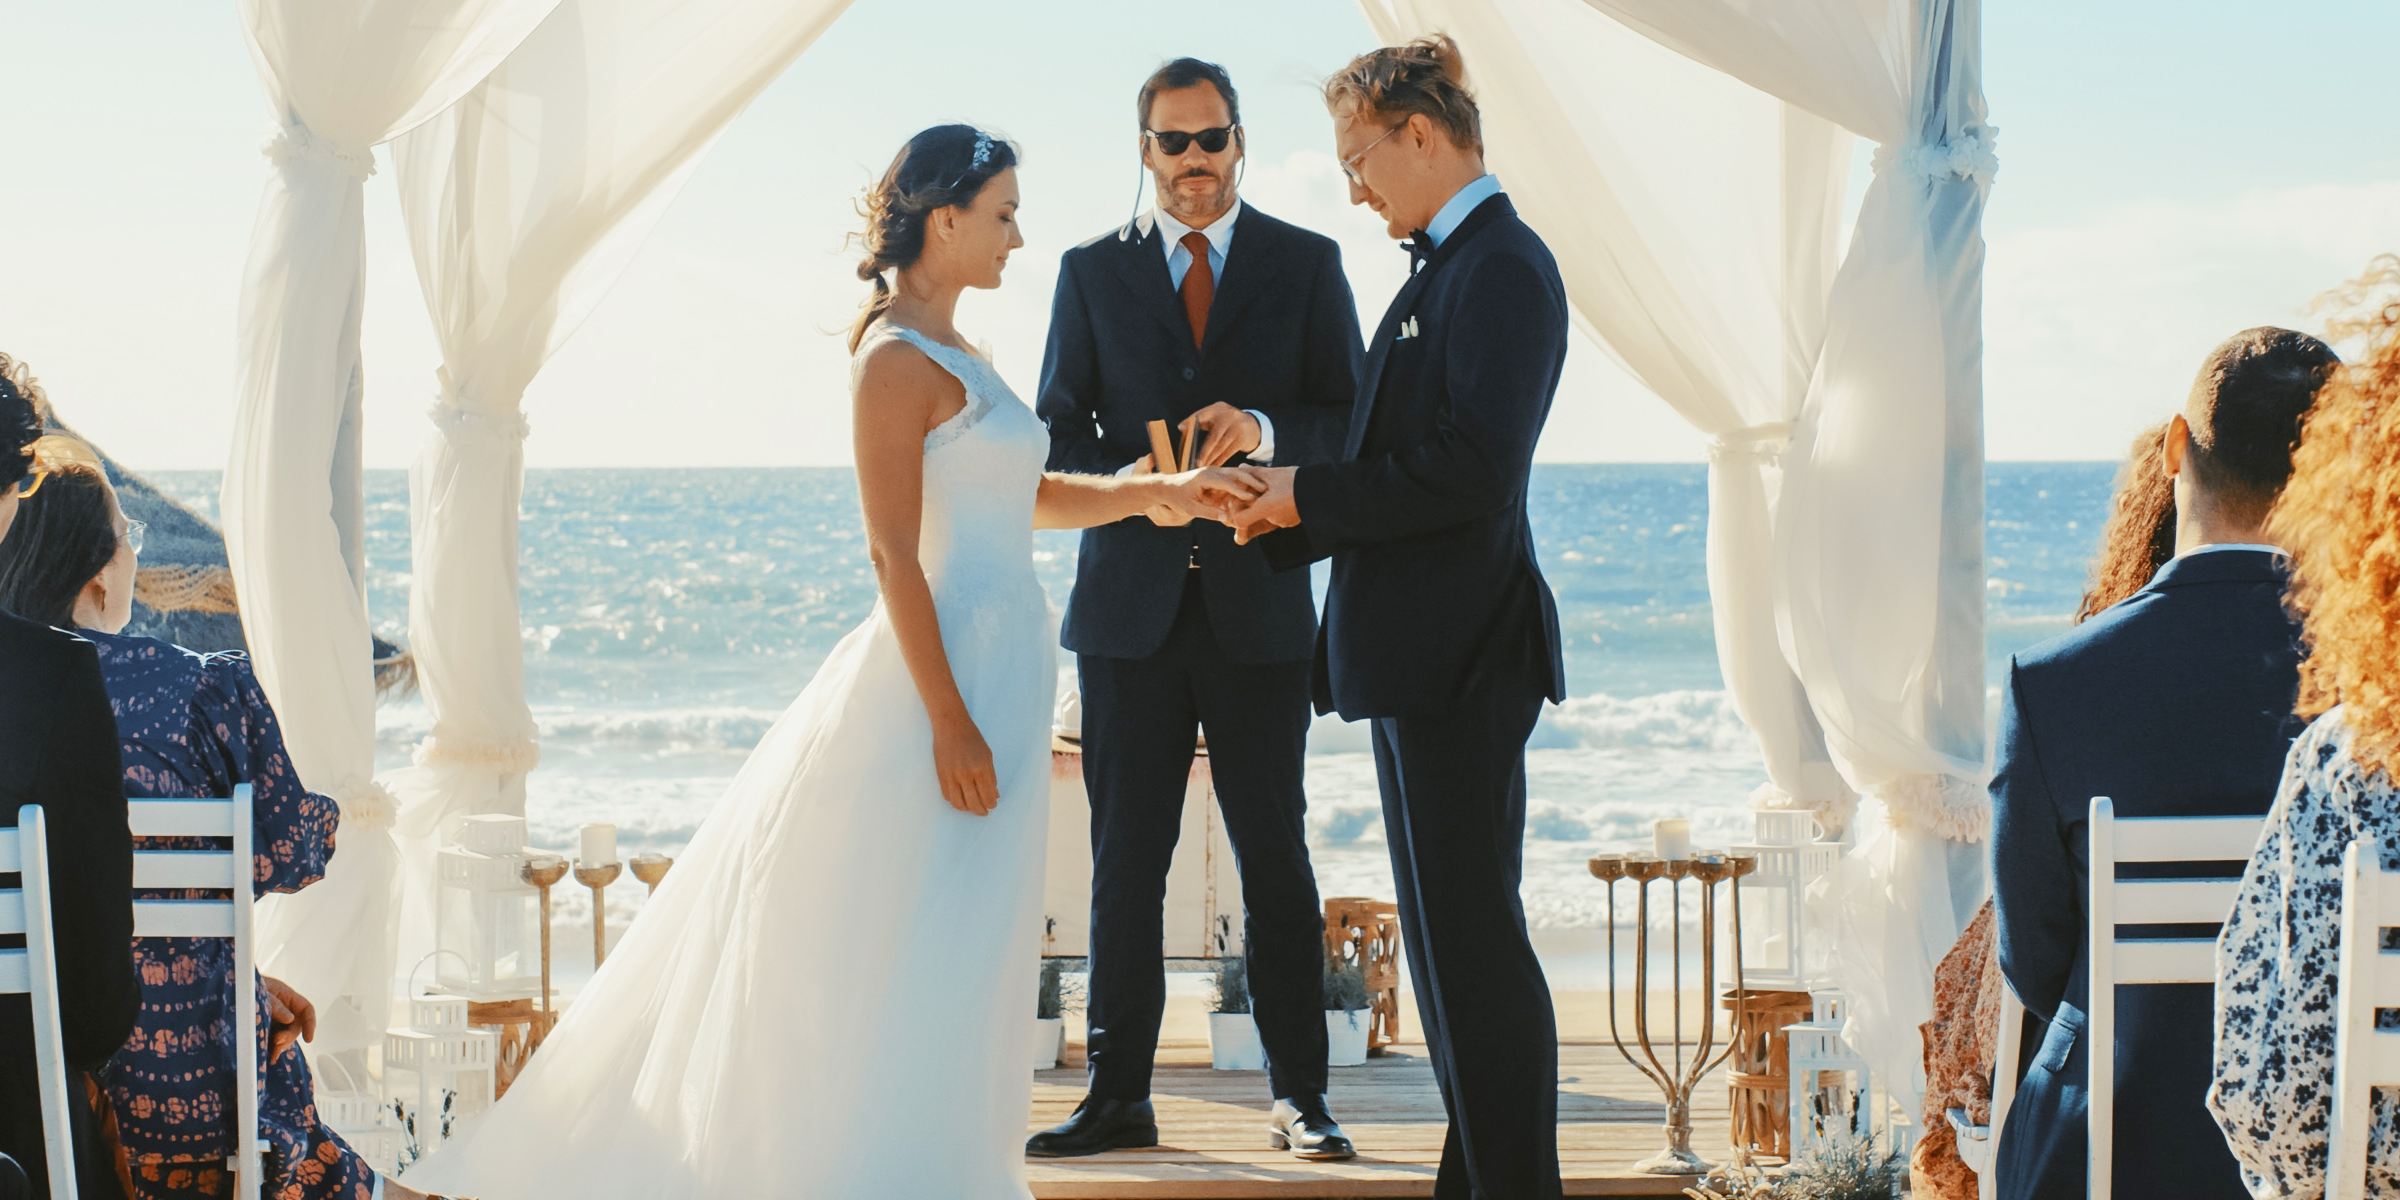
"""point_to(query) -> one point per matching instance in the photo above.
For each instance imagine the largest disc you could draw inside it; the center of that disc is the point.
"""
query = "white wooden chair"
(228, 918)
(2367, 979)
(33, 970)
(2117, 960)
(1979, 1146)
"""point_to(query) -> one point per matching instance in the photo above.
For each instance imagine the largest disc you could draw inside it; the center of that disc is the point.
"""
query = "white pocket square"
(1408, 329)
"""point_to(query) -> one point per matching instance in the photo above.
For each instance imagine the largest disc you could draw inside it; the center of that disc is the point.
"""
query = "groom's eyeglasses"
(1173, 142)
(1350, 164)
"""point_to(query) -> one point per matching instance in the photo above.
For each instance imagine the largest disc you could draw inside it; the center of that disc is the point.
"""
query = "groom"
(1176, 629)
(1439, 627)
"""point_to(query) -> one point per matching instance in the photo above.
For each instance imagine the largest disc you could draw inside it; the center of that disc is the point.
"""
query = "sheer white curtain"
(341, 76)
(524, 201)
(1875, 554)
(1698, 252)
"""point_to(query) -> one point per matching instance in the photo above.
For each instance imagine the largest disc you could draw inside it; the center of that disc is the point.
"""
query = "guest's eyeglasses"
(1350, 164)
(133, 535)
(1173, 142)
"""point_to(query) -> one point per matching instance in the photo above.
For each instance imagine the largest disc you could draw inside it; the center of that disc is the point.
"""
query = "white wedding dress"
(829, 995)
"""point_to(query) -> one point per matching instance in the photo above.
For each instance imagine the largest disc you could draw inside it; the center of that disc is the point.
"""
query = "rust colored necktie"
(1199, 286)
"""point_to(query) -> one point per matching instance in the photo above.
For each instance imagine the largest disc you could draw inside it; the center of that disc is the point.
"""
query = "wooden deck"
(1213, 1142)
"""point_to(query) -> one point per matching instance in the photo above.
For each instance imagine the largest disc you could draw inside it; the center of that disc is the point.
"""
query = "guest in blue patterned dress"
(2277, 956)
(192, 725)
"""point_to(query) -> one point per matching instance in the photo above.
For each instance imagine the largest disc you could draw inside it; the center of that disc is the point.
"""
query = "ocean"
(669, 615)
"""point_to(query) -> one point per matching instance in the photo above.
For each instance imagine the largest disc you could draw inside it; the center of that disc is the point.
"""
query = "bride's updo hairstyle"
(944, 166)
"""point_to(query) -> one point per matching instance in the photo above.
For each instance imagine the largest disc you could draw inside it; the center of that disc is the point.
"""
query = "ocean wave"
(700, 730)
(1679, 720)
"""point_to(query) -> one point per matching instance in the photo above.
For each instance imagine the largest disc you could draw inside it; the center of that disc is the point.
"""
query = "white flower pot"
(1049, 1041)
(1233, 1043)
(1346, 1037)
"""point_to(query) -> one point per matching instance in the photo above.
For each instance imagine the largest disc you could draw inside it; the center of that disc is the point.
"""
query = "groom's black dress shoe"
(1303, 1126)
(1099, 1124)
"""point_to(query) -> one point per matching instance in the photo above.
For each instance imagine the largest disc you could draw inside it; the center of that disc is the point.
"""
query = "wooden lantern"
(1368, 931)
(1759, 1073)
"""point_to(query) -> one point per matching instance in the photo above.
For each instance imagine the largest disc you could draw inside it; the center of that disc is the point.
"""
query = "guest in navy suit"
(2177, 701)
(1439, 627)
(1201, 304)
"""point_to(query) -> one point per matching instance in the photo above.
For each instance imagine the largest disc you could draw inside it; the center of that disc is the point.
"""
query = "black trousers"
(1140, 719)
(1454, 814)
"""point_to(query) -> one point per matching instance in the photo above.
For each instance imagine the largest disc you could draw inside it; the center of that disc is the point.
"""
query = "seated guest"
(192, 725)
(2175, 702)
(2278, 953)
(58, 749)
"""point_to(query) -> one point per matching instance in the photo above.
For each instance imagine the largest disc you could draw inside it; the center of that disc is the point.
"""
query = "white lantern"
(1775, 950)
(436, 1073)
(488, 920)
(355, 1112)
(1831, 1094)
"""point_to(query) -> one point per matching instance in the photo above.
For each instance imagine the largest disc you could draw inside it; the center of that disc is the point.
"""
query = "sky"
(2171, 171)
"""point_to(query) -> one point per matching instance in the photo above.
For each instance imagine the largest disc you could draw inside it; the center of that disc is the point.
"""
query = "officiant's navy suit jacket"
(1282, 339)
(1435, 587)
(2176, 702)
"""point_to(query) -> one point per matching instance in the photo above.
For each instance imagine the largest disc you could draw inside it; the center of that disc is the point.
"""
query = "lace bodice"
(982, 469)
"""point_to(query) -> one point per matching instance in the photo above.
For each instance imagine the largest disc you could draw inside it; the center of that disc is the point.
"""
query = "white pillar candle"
(1673, 838)
(599, 845)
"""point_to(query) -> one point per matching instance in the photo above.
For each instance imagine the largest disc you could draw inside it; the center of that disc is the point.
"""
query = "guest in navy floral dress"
(192, 725)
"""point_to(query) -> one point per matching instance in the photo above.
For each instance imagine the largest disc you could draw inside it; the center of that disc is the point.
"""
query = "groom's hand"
(1230, 431)
(1273, 508)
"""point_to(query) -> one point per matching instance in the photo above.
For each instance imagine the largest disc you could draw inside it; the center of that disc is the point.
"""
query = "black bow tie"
(1420, 249)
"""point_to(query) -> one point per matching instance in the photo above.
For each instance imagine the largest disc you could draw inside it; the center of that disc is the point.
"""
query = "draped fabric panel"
(524, 202)
(1846, 514)
(1698, 253)
(340, 76)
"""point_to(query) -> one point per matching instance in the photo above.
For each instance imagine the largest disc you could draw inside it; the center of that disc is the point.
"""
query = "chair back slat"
(2187, 839)
(2175, 902)
(187, 869)
(11, 858)
(180, 818)
(2165, 960)
(12, 911)
(183, 918)
(2367, 978)
(16, 972)
(39, 961)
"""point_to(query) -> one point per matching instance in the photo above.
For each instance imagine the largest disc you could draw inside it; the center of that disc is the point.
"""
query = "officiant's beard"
(1197, 207)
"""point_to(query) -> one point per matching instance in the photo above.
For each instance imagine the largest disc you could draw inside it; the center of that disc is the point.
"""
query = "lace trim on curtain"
(367, 804)
(293, 145)
(1833, 813)
(1944, 804)
(1969, 156)
(513, 758)
(1758, 441)
(459, 421)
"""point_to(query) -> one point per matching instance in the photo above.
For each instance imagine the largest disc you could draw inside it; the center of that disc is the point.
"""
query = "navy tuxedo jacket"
(1435, 587)
(1282, 338)
(2176, 702)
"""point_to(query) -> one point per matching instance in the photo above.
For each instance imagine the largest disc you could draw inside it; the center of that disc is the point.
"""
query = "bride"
(828, 996)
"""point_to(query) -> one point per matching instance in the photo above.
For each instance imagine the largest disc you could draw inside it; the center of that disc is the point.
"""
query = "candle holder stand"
(650, 869)
(598, 878)
(1674, 1078)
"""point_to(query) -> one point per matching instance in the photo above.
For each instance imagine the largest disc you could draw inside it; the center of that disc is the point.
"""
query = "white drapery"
(524, 202)
(341, 76)
(1846, 560)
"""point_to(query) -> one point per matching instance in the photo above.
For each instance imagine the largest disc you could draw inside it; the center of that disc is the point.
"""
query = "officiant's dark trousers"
(1454, 815)
(1141, 717)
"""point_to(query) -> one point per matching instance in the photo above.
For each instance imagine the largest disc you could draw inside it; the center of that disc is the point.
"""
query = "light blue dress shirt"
(1447, 220)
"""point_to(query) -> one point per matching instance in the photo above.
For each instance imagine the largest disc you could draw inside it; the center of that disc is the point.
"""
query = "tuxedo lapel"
(1142, 268)
(1249, 261)
(1379, 351)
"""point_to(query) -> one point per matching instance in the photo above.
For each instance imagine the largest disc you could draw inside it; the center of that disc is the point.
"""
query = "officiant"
(1238, 332)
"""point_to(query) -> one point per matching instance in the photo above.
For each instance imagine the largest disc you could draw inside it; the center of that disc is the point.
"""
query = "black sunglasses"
(1172, 142)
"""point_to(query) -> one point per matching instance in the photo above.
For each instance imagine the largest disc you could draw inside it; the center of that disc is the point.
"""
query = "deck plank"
(1213, 1143)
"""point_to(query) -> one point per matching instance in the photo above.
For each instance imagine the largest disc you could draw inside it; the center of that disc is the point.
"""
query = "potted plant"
(1346, 1015)
(1049, 1017)
(1233, 1043)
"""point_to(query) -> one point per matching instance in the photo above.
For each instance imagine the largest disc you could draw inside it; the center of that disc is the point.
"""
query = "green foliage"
(1346, 985)
(1048, 1001)
(1229, 990)
(1839, 1169)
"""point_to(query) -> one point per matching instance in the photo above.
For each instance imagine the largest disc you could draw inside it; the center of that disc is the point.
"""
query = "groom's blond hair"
(1427, 76)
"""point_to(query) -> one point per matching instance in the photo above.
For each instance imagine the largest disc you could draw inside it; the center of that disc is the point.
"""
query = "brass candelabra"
(1673, 1078)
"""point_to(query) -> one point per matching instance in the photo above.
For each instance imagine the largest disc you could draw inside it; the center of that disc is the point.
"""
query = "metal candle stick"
(598, 878)
(541, 871)
(1675, 1082)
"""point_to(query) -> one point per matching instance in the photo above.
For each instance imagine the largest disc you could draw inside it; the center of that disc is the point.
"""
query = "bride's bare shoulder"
(893, 378)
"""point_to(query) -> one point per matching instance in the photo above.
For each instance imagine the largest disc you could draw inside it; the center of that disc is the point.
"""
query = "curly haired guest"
(2140, 535)
(192, 725)
(2276, 957)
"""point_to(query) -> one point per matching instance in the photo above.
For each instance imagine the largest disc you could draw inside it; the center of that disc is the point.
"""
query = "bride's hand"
(963, 764)
(1209, 492)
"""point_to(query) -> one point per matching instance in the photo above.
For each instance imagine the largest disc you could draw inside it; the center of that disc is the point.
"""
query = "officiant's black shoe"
(1303, 1126)
(1099, 1125)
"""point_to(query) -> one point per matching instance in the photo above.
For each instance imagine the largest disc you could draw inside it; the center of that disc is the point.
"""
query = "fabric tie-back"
(1845, 549)
(341, 76)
